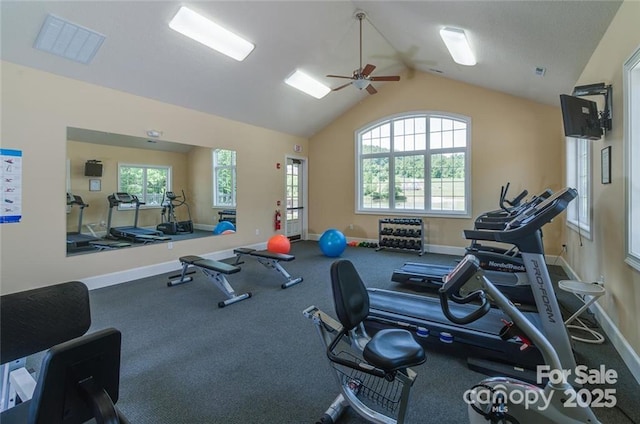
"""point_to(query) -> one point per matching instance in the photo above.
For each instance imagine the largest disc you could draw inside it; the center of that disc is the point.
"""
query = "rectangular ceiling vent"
(68, 40)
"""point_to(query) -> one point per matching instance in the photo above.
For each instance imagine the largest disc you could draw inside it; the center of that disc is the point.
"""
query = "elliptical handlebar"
(450, 290)
(513, 203)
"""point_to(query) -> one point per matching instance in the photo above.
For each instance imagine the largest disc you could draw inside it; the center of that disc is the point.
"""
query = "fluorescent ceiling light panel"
(306, 84)
(68, 40)
(456, 41)
(201, 29)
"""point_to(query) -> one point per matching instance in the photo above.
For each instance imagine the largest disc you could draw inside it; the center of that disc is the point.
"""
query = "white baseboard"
(622, 346)
(151, 270)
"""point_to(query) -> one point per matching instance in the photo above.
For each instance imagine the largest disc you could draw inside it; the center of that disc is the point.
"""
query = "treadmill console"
(124, 197)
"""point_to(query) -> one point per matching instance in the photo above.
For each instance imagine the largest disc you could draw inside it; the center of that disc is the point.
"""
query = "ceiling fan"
(361, 77)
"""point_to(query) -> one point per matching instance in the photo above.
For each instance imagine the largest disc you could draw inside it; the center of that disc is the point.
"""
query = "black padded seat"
(392, 349)
(388, 349)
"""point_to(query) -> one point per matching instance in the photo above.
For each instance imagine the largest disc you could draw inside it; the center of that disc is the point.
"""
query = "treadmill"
(133, 233)
(77, 241)
(481, 341)
(504, 267)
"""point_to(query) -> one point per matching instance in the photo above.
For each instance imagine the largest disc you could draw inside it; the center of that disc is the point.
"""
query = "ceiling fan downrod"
(360, 16)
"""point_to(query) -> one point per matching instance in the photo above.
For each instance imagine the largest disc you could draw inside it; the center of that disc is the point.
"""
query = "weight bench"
(215, 271)
(270, 260)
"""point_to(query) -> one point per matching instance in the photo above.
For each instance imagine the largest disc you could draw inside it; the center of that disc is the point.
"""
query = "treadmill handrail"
(529, 221)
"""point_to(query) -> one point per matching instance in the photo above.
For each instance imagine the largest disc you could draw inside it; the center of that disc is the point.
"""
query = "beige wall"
(605, 254)
(512, 139)
(38, 107)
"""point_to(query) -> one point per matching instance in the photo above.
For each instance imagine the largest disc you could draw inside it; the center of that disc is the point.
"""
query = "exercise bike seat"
(389, 349)
(393, 349)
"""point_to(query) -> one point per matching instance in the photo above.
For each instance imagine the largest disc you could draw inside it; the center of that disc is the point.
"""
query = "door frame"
(305, 194)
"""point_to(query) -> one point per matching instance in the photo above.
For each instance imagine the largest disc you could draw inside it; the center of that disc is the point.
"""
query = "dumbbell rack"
(406, 234)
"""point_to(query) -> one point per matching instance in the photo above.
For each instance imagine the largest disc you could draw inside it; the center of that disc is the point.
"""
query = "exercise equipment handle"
(450, 290)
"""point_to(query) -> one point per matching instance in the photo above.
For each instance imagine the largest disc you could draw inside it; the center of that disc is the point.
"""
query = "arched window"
(415, 163)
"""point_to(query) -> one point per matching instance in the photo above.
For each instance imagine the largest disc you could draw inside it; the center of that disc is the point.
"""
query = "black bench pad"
(264, 254)
(210, 264)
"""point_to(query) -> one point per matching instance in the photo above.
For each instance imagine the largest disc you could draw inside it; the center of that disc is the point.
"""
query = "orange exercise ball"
(279, 244)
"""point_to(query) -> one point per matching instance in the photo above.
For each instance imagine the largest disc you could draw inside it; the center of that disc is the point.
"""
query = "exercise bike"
(504, 400)
(373, 372)
(170, 224)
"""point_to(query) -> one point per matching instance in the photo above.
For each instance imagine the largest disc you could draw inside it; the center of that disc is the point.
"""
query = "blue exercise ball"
(223, 226)
(332, 243)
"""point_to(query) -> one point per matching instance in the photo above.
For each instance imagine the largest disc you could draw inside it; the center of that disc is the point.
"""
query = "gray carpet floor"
(184, 360)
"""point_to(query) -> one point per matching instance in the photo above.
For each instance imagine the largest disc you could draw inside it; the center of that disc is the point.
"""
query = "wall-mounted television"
(580, 117)
(93, 168)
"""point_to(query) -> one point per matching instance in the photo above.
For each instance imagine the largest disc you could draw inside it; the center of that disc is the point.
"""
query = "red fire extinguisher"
(278, 220)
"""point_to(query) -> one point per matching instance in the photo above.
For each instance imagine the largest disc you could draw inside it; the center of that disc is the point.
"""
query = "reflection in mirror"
(144, 191)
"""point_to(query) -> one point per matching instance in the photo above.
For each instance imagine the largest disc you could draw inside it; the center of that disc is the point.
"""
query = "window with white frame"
(415, 163)
(579, 177)
(147, 182)
(224, 178)
(631, 77)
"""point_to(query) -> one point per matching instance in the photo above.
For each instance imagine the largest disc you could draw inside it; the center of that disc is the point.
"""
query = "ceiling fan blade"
(341, 87)
(338, 76)
(368, 69)
(371, 89)
(387, 78)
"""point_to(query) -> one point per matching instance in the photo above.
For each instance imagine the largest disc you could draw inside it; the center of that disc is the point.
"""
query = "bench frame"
(270, 260)
(215, 271)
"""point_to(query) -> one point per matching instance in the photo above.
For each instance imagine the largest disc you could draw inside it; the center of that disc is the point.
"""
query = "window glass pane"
(408, 126)
(421, 141)
(398, 143)
(435, 124)
(375, 183)
(409, 182)
(420, 125)
(436, 140)
(448, 182)
(131, 180)
(447, 139)
(156, 186)
(398, 127)
(224, 175)
(459, 137)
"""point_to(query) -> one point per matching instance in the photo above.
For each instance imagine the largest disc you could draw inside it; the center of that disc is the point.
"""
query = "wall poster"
(10, 185)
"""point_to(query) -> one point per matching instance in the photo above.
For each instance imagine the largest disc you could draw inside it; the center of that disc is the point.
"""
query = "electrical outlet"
(257, 232)
(351, 226)
(601, 279)
(170, 245)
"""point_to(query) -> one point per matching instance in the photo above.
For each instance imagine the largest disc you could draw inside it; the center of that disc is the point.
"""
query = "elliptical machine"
(170, 223)
(503, 400)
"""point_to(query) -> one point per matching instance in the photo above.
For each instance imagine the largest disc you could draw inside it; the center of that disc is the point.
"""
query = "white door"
(295, 199)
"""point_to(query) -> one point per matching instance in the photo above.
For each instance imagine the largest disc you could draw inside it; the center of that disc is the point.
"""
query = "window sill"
(583, 232)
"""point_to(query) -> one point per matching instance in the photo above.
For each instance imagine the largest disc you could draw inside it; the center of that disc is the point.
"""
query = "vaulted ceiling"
(143, 56)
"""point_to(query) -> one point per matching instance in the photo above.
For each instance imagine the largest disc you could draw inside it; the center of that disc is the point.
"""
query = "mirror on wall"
(124, 191)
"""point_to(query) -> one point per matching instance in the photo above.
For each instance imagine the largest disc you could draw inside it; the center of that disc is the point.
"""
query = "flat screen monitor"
(92, 169)
(580, 117)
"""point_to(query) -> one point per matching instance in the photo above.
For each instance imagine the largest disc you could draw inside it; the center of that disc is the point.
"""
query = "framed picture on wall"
(605, 165)
(95, 185)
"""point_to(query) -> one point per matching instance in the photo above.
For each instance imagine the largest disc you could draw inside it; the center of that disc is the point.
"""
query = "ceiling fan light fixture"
(360, 83)
(197, 27)
(308, 85)
(456, 41)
